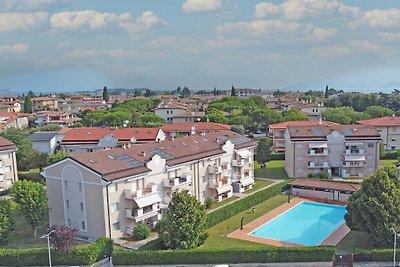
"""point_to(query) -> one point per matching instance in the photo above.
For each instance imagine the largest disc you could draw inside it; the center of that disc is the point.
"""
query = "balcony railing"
(220, 183)
(238, 163)
(312, 152)
(140, 192)
(318, 164)
(354, 164)
(177, 181)
(354, 151)
(214, 169)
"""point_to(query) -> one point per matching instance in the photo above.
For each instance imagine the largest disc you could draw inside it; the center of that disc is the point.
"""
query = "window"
(81, 206)
(191, 167)
(116, 226)
(203, 194)
(69, 222)
(113, 187)
(67, 203)
(167, 111)
(202, 163)
(7, 169)
(115, 207)
(80, 187)
(370, 144)
(66, 185)
(204, 179)
(83, 226)
(89, 150)
(1, 177)
(393, 147)
(171, 111)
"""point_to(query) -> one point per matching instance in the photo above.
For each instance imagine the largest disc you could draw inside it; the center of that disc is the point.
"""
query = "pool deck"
(243, 234)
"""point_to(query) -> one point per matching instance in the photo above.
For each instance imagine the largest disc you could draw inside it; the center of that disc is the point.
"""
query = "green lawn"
(274, 170)
(387, 162)
(217, 234)
(258, 184)
(223, 202)
(22, 236)
(355, 240)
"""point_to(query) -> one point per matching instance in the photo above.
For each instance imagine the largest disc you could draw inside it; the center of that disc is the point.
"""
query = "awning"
(244, 153)
(354, 144)
(147, 200)
(223, 189)
(318, 145)
(146, 216)
(246, 182)
(354, 158)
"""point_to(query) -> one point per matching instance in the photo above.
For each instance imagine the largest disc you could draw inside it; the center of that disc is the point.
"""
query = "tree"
(233, 92)
(186, 92)
(57, 156)
(375, 208)
(326, 92)
(63, 237)
(106, 96)
(294, 114)
(263, 151)
(32, 201)
(7, 223)
(28, 106)
(31, 94)
(185, 223)
(378, 111)
(238, 129)
(141, 231)
(215, 91)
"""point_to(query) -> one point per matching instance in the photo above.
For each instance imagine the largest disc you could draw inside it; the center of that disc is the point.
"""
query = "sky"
(69, 45)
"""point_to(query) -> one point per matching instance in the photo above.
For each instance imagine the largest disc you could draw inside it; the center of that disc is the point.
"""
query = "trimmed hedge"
(303, 254)
(378, 255)
(79, 255)
(230, 210)
(391, 154)
(277, 156)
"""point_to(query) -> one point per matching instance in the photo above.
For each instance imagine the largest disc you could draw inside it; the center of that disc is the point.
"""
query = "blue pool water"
(307, 223)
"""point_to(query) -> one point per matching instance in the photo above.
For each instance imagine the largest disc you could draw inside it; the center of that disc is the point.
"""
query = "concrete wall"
(319, 194)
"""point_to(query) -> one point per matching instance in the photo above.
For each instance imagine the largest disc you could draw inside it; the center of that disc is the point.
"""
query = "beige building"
(44, 103)
(342, 150)
(106, 193)
(389, 129)
(8, 164)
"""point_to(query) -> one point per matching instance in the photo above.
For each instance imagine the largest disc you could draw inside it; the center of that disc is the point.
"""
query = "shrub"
(209, 201)
(233, 255)
(62, 237)
(324, 174)
(378, 255)
(226, 212)
(79, 255)
(141, 231)
(312, 175)
(392, 154)
(277, 156)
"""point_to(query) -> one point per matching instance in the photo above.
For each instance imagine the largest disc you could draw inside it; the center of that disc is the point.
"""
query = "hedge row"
(392, 154)
(230, 210)
(378, 255)
(303, 254)
(277, 156)
(80, 255)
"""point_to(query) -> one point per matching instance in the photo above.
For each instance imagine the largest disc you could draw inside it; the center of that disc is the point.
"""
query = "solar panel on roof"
(162, 154)
(125, 158)
(347, 132)
(239, 140)
(317, 131)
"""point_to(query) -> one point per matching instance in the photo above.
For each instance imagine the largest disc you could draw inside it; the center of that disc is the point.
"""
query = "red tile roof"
(122, 134)
(326, 185)
(385, 121)
(199, 126)
(284, 125)
(6, 144)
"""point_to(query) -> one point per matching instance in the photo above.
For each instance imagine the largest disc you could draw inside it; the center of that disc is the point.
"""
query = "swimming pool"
(307, 223)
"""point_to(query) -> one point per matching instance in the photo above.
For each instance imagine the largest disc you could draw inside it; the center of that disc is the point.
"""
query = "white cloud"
(15, 49)
(332, 51)
(21, 21)
(70, 20)
(389, 36)
(266, 9)
(222, 43)
(365, 46)
(95, 53)
(306, 9)
(146, 21)
(321, 34)
(163, 41)
(260, 27)
(352, 47)
(379, 18)
(190, 6)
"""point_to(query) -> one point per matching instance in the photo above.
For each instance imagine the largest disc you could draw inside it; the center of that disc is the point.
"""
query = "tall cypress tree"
(233, 93)
(326, 92)
(106, 96)
(28, 104)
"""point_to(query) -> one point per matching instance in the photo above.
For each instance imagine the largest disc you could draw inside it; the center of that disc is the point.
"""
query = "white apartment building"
(389, 129)
(343, 150)
(8, 164)
(107, 193)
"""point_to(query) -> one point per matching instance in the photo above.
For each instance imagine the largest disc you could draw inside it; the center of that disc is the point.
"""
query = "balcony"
(175, 182)
(221, 183)
(214, 169)
(354, 164)
(140, 192)
(141, 214)
(238, 163)
(318, 165)
(226, 166)
(358, 151)
(321, 152)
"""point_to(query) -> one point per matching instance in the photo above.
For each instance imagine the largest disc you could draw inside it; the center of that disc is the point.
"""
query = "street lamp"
(48, 244)
(395, 234)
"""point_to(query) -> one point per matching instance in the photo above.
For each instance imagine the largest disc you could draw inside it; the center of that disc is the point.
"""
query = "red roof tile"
(199, 126)
(385, 121)
(326, 184)
(284, 125)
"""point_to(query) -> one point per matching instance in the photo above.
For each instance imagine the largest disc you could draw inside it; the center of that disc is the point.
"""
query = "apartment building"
(169, 110)
(8, 164)
(342, 150)
(389, 129)
(62, 119)
(189, 128)
(45, 103)
(276, 131)
(106, 193)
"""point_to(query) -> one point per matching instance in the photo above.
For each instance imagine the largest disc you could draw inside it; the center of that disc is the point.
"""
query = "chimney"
(143, 153)
(128, 145)
(217, 140)
(172, 138)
